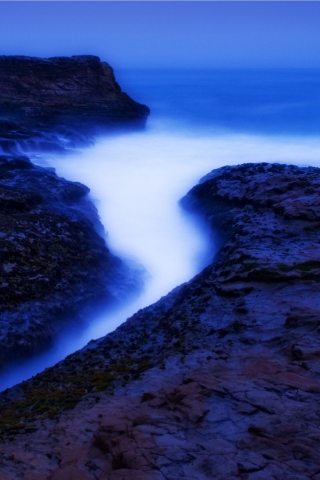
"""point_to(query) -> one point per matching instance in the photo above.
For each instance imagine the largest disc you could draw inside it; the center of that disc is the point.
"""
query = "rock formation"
(53, 261)
(54, 266)
(55, 103)
(219, 379)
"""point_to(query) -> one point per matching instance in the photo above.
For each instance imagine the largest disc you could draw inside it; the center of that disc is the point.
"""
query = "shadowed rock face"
(53, 88)
(219, 379)
(54, 266)
(73, 96)
(53, 263)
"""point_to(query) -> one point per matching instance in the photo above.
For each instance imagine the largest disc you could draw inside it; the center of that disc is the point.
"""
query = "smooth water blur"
(272, 102)
(136, 181)
(200, 120)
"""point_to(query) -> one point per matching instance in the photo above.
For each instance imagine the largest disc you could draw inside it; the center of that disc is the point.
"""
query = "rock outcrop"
(54, 266)
(53, 263)
(219, 379)
(58, 103)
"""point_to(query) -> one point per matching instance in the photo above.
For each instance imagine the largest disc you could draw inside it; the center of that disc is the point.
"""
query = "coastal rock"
(55, 267)
(219, 379)
(52, 104)
(53, 263)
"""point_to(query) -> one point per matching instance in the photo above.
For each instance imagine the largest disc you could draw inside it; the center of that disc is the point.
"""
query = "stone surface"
(53, 263)
(219, 379)
(54, 104)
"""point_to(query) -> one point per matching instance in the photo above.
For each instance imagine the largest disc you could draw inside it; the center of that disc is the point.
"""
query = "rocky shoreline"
(60, 103)
(219, 379)
(54, 264)
(55, 267)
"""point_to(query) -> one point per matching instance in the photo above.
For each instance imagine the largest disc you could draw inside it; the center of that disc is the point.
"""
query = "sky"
(191, 34)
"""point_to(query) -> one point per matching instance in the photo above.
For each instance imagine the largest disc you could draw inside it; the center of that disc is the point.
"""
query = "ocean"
(257, 102)
(200, 120)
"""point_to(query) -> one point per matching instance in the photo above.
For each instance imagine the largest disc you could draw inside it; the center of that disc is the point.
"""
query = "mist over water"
(136, 180)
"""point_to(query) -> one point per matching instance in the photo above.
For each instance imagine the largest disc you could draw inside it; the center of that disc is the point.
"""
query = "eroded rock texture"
(220, 379)
(53, 263)
(53, 104)
(54, 266)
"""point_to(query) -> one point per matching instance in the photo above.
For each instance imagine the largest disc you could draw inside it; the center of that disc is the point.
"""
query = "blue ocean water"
(276, 102)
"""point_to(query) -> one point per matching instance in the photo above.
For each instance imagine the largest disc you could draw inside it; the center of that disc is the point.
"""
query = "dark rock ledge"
(219, 379)
(53, 263)
(54, 104)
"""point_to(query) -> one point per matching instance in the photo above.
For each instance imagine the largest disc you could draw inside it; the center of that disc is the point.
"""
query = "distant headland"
(73, 96)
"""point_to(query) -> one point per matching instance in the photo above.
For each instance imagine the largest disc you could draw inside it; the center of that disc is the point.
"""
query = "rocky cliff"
(55, 103)
(220, 379)
(54, 266)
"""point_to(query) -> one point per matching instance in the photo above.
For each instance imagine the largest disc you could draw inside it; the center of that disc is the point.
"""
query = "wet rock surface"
(55, 268)
(53, 263)
(56, 104)
(219, 379)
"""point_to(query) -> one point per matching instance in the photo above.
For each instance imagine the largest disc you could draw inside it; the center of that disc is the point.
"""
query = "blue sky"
(166, 34)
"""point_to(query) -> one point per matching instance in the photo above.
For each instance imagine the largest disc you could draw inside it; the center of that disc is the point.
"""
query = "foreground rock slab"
(220, 379)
